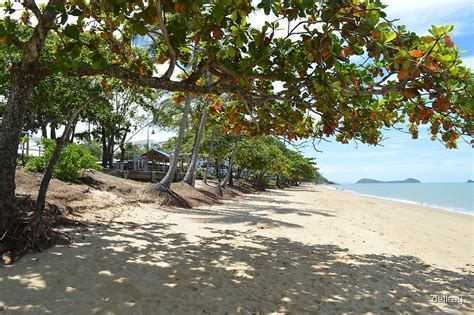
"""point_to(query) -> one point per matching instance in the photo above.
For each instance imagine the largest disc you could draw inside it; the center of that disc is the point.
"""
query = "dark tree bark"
(73, 132)
(44, 131)
(231, 178)
(218, 176)
(53, 131)
(122, 145)
(110, 151)
(190, 175)
(12, 124)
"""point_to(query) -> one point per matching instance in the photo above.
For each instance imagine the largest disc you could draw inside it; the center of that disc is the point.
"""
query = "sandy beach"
(301, 250)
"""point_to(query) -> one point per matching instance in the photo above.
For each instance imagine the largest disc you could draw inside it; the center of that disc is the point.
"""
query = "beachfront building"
(150, 166)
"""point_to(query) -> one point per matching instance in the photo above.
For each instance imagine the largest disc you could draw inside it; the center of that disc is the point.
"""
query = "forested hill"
(320, 179)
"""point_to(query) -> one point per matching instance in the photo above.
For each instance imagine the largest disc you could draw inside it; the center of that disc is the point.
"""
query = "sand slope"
(303, 250)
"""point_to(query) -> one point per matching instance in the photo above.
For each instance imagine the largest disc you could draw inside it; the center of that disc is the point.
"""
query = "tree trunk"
(218, 177)
(13, 117)
(211, 147)
(231, 178)
(104, 148)
(190, 177)
(122, 153)
(231, 161)
(110, 151)
(60, 144)
(44, 131)
(73, 132)
(122, 146)
(168, 179)
(53, 131)
(25, 76)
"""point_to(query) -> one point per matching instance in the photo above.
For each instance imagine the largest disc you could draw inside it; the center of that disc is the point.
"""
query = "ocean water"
(451, 196)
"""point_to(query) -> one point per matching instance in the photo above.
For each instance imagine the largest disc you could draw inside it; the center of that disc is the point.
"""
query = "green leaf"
(437, 31)
(71, 32)
(218, 15)
(225, 2)
(389, 37)
(231, 51)
(448, 28)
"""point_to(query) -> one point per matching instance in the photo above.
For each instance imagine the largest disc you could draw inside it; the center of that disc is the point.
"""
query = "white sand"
(301, 250)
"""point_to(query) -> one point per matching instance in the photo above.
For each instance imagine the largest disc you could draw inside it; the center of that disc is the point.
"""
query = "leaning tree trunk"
(211, 146)
(13, 117)
(60, 144)
(122, 146)
(165, 183)
(190, 177)
(231, 161)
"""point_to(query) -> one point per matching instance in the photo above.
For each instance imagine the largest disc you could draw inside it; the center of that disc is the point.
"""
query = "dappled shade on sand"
(301, 250)
(126, 268)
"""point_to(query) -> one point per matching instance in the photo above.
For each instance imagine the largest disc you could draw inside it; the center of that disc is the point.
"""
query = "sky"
(401, 157)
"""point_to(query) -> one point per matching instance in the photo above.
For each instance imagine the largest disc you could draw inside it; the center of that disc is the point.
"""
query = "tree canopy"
(343, 67)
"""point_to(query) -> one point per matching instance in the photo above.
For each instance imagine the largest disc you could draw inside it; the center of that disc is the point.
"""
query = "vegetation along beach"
(236, 157)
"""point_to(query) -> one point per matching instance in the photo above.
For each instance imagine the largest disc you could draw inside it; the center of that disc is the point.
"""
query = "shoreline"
(404, 201)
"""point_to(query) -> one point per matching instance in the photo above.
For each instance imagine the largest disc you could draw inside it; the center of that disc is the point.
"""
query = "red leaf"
(218, 33)
(346, 52)
(448, 42)
(403, 75)
(416, 53)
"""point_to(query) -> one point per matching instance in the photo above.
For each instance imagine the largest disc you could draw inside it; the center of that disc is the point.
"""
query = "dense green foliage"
(267, 156)
(73, 160)
(344, 62)
(259, 157)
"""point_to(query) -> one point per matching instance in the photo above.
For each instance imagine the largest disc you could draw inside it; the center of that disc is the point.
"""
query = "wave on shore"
(376, 192)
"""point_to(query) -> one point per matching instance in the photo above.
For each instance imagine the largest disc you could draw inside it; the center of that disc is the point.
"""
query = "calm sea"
(450, 196)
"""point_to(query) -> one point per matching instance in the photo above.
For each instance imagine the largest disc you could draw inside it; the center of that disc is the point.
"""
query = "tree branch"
(164, 31)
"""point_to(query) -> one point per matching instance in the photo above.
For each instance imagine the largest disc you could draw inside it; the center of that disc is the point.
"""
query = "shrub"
(199, 174)
(73, 160)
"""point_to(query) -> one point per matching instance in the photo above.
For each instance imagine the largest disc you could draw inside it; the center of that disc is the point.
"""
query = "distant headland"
(470, 181)
(374, 181)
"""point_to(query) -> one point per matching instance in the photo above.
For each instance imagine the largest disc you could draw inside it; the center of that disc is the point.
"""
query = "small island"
(374, 181)
(470, 181)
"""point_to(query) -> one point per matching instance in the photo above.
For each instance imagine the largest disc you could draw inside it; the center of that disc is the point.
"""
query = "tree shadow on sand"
(129, 268)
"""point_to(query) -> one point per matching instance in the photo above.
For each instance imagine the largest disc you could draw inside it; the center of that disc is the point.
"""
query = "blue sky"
(402, 157)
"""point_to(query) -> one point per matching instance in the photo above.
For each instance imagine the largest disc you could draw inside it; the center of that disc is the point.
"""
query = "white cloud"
(468, 62)
(419, 15)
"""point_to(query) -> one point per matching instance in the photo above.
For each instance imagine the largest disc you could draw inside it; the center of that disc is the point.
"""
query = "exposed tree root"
(22, 236)
(170, 198)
